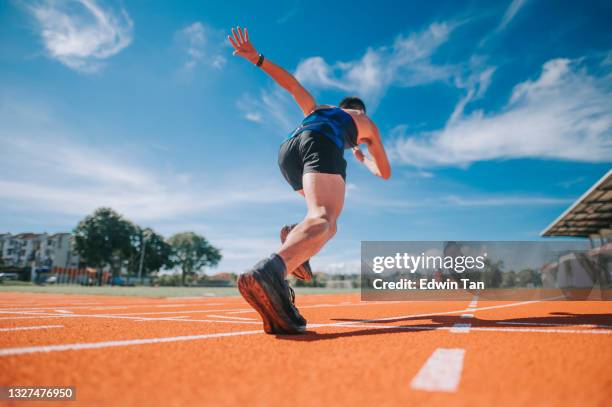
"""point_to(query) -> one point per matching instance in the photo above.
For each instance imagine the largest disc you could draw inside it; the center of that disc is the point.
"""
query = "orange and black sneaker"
(265, 289)
(303, 272)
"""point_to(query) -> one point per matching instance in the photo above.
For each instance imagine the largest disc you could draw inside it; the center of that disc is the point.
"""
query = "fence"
(84, 276)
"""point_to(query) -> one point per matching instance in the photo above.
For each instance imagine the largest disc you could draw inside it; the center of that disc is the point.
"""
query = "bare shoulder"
(366, 129)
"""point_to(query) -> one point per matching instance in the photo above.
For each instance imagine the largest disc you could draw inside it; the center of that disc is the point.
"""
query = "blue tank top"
(332, 122)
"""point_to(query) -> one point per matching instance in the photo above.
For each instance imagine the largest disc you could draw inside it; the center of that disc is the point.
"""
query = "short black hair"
(352, 102)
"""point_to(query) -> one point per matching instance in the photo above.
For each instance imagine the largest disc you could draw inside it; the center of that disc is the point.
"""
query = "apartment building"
(38, 250)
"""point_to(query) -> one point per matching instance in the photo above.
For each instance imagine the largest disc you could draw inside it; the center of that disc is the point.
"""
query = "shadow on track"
(598, 321)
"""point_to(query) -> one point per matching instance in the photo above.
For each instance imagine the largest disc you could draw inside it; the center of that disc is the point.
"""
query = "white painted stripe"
(400, 317)
(228, 317)
(441, 372)
(29, 328)
(446, 328)
(544, 330)
(110, 344)
(553, 324)
(163, 319)
(460, 328)
(474, 302)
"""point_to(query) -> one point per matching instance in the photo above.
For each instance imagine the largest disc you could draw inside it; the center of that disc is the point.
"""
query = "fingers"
(236, 38)
(229, 37)
(242, 40)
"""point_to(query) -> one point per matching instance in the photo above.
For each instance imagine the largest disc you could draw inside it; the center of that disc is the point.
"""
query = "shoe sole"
(253, 292)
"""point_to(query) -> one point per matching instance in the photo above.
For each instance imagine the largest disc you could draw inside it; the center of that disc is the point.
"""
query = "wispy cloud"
(407, 62)
(45, 170)
(510, 13)
(273, 108)
(81, 33)
(289, 14)
(203, 46)
(462, 200)
(564, 114)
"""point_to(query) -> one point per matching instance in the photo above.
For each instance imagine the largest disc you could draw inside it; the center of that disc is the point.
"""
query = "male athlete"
(312, 162)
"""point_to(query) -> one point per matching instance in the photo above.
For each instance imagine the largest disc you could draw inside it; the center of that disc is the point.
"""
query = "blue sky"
(497, 116)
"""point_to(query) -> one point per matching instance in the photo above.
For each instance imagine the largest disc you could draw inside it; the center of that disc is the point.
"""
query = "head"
(352, 102)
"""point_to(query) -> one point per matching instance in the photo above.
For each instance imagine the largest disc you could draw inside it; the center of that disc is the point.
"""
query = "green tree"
(509, 279)
(492, 275)
(104, 238)
(191, 252)
(157, 252)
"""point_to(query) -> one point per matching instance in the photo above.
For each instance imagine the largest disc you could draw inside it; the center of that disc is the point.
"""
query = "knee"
(323, 225)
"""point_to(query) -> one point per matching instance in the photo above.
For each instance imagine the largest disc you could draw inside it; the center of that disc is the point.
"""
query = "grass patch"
(145, 291)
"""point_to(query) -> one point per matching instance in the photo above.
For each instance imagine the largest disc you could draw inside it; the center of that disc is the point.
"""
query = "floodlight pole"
(142, 254)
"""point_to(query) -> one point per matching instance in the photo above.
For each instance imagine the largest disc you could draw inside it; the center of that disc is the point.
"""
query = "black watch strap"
(260, 60)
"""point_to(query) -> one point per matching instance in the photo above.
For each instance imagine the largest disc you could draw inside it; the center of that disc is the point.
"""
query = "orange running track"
(132, 351)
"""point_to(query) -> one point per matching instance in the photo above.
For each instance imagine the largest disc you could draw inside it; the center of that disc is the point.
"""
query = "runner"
(312, 161)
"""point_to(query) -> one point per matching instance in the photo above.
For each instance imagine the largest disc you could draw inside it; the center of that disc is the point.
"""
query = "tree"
(492, 275)
(191, 252)
(157, 252)
(509, 279)
(104, 238)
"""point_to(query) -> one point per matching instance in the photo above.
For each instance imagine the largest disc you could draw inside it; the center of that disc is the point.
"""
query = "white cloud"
(564, 114)
(254, 117)
(273, 108)
(81, 33)
(44, 170)
(407, 62)
(203, 46)
(289, 14)
(510, 13)
(455, 201)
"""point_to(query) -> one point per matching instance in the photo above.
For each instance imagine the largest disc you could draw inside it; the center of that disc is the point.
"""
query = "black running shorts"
(309, 152)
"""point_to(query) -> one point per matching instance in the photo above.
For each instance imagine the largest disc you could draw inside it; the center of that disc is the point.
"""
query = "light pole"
(145, 239)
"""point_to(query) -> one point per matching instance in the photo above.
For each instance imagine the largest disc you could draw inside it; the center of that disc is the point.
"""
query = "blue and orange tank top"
(332, 122)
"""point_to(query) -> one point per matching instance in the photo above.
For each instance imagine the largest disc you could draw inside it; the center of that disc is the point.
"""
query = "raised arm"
(244, 48)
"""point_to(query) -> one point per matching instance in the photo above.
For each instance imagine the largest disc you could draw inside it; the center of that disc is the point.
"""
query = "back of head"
(352, 102)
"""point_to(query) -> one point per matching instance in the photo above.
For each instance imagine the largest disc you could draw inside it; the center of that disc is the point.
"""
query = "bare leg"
(324, 195)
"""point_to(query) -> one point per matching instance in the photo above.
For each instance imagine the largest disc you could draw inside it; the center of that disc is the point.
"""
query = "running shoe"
(264, 288)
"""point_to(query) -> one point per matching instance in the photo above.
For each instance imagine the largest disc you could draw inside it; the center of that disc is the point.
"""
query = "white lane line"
(228, 317)
(163, 319)
(29, 328)
(102, 305)
(133, 317)
(544, 330)
(180, 319)
(553, 324)
(446, 328)
(459, 328)
(400, 317)
(110, 344)
(441, 372)
(474, 302)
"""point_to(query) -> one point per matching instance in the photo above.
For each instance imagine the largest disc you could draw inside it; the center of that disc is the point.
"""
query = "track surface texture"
(196, 351)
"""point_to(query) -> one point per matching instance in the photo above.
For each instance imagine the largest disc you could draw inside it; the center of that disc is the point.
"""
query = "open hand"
(242, 46)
